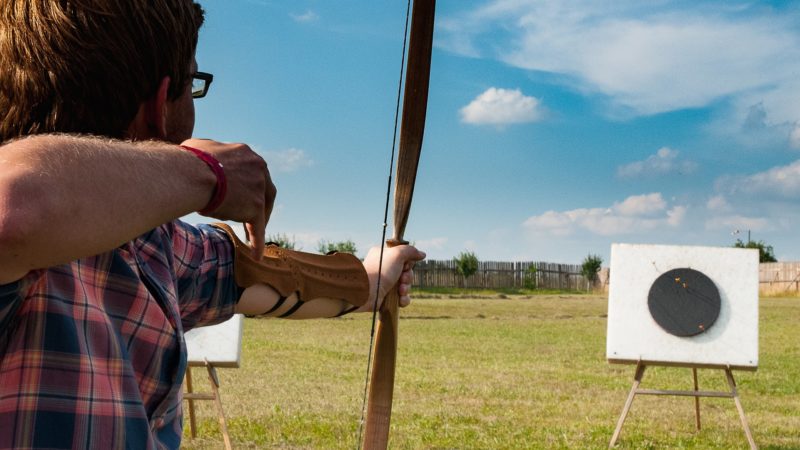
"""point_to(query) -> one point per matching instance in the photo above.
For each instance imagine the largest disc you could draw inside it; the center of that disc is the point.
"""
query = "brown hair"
(85, 66)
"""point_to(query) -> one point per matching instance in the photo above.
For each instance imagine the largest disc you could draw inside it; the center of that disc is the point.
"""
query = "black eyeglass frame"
(206, 78)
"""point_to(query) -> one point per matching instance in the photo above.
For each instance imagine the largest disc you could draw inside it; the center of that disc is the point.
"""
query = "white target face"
(220, 345)
(682, 305)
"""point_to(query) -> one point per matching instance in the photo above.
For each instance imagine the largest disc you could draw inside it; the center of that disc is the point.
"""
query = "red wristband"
(222, 183)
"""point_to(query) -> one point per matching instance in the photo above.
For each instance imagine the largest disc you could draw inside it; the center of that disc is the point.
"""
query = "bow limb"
(415, 100)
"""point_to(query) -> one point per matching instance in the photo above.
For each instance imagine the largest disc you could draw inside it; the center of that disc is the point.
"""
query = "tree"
(466, 265)
(765, 252)
(531, 281)
(347, 246)
(282, 240)
(591, 265)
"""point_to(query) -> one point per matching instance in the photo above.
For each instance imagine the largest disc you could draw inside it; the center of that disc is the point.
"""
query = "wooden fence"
(782, 278)
(497, 274)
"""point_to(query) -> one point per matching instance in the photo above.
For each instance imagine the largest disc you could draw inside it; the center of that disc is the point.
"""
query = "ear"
(155, 110)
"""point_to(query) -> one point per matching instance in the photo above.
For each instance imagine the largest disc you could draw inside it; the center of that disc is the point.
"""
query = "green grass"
(494, 373)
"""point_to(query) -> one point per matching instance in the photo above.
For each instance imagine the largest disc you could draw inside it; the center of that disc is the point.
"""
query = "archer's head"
(117, 68)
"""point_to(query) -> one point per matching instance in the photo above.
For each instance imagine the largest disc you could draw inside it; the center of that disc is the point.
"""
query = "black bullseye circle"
(684, 302)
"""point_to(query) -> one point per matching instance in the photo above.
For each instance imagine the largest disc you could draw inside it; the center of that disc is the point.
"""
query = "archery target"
(220, 345)
(683, 305)
(684, 302)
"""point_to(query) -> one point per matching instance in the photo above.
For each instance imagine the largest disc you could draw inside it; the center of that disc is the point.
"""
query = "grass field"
(494, 373)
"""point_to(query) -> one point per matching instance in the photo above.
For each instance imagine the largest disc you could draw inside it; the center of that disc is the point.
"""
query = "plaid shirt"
(92, 352)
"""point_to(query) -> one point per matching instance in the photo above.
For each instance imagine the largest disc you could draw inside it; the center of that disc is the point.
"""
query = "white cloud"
(646, 57)
(500, 107)
(641, 205)
(288, 160)
(557, 223)
(664, 162)
(635, 214)
(737, 222)
(718, 203)
(308, 16)
(779, 181)
(763, 201)
(676, 215)
(766, 117)
(794, 136)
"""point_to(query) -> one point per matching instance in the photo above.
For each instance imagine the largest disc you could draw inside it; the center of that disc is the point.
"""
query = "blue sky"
(555, 127)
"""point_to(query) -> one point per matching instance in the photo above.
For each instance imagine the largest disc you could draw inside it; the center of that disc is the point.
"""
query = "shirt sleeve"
(206, 289)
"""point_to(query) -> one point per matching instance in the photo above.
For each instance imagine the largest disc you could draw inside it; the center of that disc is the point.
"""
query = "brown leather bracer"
(339, 276)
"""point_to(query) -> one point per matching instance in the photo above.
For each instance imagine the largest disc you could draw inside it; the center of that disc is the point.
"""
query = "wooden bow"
(415, 100)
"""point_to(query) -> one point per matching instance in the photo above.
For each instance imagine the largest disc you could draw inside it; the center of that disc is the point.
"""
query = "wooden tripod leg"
(189, 390)
(696, 400)
(739, 407)
(637, 379)
(212, 377)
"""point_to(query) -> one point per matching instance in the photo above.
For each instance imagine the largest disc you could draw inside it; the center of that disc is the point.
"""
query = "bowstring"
(384, 226)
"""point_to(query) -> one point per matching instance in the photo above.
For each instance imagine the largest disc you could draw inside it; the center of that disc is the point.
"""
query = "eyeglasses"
(200, 83)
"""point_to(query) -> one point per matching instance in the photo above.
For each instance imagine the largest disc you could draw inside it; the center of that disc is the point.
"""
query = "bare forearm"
(62, 198)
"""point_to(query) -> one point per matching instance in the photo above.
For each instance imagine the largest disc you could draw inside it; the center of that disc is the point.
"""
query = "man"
(98, 278)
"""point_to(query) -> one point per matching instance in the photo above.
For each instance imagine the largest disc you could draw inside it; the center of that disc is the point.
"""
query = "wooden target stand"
(212, 347)
(191, 396)
(696, 393)
(680, 306)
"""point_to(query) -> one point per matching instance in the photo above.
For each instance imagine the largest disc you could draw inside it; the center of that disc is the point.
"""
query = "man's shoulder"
(188, 241)
(178, 230)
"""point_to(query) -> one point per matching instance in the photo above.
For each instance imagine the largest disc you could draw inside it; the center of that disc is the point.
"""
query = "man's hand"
(398, 265)
(251, 193)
